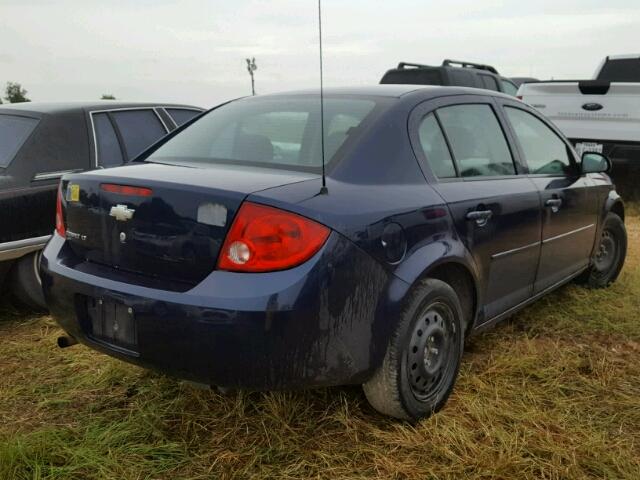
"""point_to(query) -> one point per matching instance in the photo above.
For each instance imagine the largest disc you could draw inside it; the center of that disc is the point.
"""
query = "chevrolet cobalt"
(220, 256)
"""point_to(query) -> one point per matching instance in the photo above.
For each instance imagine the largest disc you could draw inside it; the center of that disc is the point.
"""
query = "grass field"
(552, 393)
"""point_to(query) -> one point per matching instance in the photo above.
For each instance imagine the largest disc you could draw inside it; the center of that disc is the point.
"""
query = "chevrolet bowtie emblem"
(121, 213)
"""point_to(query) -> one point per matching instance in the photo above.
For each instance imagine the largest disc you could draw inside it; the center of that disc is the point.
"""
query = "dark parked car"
(450, 73)
(39, 142)
(446, 210)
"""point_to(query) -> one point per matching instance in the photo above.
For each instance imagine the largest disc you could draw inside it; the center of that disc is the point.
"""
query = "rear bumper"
(325, 322)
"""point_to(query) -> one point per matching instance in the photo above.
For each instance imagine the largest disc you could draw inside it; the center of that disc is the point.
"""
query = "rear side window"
(109, 153)
(138, 129)
(544, 151)
(181, 115)
(461, 77)
(621, 70)
(414, 76)
(435, 148)
(477, 141)
(14, 131)
(489, 82)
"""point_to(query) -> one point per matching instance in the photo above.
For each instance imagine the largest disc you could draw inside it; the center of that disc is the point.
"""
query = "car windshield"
(274, 132)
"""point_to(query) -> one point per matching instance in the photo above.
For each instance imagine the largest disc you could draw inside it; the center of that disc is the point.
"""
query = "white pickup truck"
(602, 114)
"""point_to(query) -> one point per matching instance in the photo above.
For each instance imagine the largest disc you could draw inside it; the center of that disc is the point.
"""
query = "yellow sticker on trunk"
(73, 193)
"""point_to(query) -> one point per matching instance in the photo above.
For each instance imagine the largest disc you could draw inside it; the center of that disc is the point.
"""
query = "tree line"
(14, 93)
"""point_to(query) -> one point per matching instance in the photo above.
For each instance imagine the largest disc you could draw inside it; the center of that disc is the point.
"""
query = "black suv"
(451, 72)
(40, 142)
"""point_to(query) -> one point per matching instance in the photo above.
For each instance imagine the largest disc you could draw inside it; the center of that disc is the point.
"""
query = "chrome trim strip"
(18, 248)
(155, 110)
(52, 175)
(514, 250)
(562, 235)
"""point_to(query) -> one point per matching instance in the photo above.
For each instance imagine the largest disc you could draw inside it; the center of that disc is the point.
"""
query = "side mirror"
(593, 162)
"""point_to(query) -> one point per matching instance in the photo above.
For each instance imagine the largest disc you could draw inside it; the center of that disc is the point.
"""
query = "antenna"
(324, 178)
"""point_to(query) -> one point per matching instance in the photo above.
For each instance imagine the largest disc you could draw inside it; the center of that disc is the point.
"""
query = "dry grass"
(552, 393)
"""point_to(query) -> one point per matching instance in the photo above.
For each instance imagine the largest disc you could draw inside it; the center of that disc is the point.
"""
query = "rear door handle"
(481, 217)
(554, 203)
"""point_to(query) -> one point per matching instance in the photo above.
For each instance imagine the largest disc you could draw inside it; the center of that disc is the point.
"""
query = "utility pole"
(252, 67)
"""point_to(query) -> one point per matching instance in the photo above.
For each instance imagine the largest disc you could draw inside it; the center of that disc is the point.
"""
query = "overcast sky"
(193, 51)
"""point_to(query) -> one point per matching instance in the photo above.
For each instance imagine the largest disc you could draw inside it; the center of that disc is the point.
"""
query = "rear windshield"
(622, 70)
(278, 132)
(14, 130)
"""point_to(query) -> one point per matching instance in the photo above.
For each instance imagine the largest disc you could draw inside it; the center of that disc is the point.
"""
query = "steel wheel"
(607, 254)
(430, 355)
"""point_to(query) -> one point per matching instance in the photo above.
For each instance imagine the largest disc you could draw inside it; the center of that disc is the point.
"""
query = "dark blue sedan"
(218, 257)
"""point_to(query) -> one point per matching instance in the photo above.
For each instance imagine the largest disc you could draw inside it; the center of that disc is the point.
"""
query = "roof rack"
(478, 66)
(403, 65)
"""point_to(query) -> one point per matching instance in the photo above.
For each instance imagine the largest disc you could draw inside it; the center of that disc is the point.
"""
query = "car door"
(568, 199)
(16, 175)
(45, 148)
(496, 211)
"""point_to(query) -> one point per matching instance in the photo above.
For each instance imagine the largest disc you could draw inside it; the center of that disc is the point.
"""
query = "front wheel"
(423, 356)
(610, 254)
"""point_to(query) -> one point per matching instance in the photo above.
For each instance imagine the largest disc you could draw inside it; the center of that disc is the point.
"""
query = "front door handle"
(481, 217)
(554, 203)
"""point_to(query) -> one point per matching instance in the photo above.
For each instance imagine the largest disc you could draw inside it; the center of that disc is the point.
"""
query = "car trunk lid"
(159, 220)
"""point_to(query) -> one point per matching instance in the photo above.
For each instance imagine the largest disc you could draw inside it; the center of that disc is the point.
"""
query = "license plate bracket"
(112, 322)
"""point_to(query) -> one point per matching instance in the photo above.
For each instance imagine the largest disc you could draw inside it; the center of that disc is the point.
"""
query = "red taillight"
(60, 228)
(263, 239)
(519, 97)
(126, 190)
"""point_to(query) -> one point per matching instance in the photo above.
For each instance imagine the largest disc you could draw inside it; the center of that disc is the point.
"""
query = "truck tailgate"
(588, 110)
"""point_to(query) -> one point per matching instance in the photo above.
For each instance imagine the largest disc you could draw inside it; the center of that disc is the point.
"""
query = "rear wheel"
(25, 281)
(610, 254)
(423, 356)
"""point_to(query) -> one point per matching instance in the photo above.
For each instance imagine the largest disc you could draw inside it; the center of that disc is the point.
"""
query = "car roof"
(376, 90)
(424, 92)
(65, 107)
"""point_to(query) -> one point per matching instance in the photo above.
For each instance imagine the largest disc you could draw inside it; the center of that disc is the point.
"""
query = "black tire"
(610, 254)
(423, 358)
(25, 281)
(5, 268)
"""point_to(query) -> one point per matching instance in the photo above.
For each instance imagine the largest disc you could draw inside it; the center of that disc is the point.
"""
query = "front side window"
(544, 151)
(14, 131)
(281, 132)
(478, 144)
(109, 153)
(435, 148)
(138, 129)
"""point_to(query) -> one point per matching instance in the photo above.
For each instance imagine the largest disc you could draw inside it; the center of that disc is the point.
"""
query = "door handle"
(554, 203)
(481, 217)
